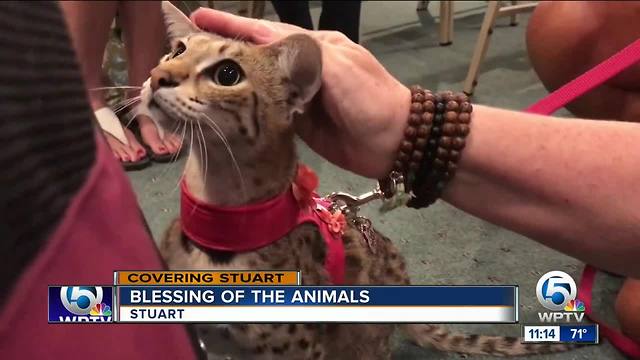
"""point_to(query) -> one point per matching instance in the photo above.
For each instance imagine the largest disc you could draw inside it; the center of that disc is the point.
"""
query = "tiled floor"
(442, 244)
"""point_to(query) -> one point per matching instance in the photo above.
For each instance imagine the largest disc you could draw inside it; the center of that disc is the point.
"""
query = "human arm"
(568, 184)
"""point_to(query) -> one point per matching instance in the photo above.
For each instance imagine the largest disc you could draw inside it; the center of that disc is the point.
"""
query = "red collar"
(251, 227)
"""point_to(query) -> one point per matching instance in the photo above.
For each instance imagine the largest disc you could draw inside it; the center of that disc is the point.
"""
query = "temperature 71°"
(578, 332)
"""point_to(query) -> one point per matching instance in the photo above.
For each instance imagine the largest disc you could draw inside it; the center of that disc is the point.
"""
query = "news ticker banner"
(282, 304)
(351, 304)
(561, 333)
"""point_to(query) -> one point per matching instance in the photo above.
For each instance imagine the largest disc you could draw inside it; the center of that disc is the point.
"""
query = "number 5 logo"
(555, 289)
(80, 299)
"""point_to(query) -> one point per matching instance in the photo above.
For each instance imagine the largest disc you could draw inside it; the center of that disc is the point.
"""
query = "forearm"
(573, 185)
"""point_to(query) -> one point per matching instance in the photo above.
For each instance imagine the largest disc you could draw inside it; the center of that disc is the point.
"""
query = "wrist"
(431, 140)
(393, 135)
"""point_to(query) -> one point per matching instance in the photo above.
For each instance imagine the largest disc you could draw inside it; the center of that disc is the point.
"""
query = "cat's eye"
(180, 48)
(226, 73)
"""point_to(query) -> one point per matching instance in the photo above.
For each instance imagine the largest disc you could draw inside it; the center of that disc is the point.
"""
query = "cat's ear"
(300, 57)
(177, 23)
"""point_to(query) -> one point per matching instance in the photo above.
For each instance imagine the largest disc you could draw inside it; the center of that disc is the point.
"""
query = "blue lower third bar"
(583, 333)
(353, 304)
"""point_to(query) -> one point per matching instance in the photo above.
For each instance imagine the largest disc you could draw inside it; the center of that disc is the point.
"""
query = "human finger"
(230, 25)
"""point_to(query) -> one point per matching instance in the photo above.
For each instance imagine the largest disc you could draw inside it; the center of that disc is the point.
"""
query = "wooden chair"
(446, 20)
(494, 10)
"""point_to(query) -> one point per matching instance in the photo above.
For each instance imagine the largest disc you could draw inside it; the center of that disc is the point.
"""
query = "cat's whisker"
(188, 158)
(135, 112)
(131, 102)
(124, 103)
(191, 142)
(200, 143)
(206, 155)
(175, 158)
(216, 128)
(175, 130)
(172, 162)
(182, 139)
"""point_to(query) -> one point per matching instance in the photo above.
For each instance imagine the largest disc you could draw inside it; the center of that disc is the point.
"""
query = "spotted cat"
(238, 102)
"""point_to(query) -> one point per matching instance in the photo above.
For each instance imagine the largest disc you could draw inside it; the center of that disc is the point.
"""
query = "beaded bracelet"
(435, 136)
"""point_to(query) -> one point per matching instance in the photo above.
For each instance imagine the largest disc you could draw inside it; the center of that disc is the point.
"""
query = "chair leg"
(450, 18)
(481, 46)
(243, 8)
(256, 9)
(514, 17)
(446, 23)
(422, 5)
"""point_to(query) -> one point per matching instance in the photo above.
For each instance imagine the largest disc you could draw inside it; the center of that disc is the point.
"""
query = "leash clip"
(393, 196)
(350, 204)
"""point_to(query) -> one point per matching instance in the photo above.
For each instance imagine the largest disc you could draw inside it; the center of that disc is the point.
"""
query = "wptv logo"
(80, 304)
(557, 291)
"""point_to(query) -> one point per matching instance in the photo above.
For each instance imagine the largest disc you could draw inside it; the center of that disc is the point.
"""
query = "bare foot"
(135, 146)
(173, 142)
(149, 133)
(125, 153)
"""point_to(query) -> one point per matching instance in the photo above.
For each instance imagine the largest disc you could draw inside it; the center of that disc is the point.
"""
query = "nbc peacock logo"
(101, 309)
(575, 306)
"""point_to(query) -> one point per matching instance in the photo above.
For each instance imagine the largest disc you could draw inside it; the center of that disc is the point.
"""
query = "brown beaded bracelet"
(435, 136)
(416, 135)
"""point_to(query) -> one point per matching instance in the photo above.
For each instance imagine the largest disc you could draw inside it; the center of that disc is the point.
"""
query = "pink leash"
(589, 80)
(550, 104)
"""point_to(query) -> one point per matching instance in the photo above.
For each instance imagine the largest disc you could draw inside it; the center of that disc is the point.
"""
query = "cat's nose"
(162, 78)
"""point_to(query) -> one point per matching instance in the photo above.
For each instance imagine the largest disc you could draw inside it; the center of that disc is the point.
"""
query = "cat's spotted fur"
(255, 116)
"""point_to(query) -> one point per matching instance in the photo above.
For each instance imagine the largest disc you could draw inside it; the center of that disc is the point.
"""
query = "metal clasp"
(350, 204)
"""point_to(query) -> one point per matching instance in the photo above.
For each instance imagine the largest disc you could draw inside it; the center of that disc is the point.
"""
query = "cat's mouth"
(168, 110)
(153, 105)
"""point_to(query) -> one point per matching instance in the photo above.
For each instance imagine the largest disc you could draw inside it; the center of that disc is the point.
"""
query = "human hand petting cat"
(358, 118)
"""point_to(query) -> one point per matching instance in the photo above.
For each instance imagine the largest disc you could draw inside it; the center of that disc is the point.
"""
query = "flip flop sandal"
(159, 158)
(136, 165)
(110, 125)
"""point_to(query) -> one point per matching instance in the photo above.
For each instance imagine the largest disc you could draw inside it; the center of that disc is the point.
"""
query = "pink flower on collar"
(304, 187)
(336, 221)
